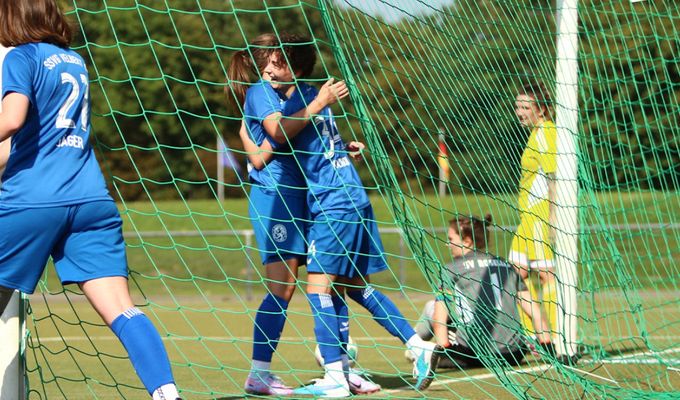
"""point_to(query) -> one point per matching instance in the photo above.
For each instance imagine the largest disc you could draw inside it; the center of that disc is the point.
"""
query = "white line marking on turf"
(591, 374)
(292, 339)
(535, 369)
(672, 361)
(285, 339)
(474, 377)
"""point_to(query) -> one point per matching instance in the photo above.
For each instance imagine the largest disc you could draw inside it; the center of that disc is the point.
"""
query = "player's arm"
(5, 147)
(440, 319)
(12, 118)
(14, 111)
(281, 129)
(258, 156)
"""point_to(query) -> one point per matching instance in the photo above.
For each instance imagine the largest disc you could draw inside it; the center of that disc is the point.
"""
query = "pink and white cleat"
(359, 384)
(267, 385)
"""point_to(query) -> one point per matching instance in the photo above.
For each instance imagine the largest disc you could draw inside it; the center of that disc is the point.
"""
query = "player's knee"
(284, 291)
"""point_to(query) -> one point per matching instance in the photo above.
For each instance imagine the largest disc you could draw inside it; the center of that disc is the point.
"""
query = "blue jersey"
(282, 174)
(333, 182)
(51, 161)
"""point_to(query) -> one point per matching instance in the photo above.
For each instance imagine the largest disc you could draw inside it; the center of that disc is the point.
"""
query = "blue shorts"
(346, 245)
(279, 224)
(84, 240)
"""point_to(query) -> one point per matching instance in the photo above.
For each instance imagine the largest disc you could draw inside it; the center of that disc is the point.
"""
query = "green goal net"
(427, 78)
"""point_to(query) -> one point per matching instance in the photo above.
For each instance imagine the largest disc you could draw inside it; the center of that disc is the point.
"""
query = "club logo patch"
(279, 233)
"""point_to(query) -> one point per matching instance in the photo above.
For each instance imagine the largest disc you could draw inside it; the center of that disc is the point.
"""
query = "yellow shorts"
(530, 246)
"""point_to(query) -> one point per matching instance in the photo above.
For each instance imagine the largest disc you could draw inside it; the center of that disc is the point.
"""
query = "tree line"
(158, 79)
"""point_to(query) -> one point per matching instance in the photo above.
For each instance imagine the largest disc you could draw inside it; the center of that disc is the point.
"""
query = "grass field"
(202, 287)
(209, 345)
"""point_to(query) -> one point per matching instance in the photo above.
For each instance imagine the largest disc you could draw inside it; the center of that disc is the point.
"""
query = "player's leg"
(270, 320)
(92, 254)
(279, 233)
(110, 298)
(518, 257)
(327, 332)
(342, 312)
(367, 257)
(541, 260)
(386, 313)
(383, 310)
(358, 383)
(424, 325)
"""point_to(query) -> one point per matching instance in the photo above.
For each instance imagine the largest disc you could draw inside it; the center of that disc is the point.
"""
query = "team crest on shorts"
(279, 233)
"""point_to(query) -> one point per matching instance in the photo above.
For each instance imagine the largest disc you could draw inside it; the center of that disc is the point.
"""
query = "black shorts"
(462, 357)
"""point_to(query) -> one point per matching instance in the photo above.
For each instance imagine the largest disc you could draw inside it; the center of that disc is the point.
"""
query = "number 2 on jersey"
(63, 121)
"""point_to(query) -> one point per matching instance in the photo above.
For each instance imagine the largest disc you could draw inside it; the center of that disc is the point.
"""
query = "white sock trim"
(166, 392)
(131, 312)
(260, 368)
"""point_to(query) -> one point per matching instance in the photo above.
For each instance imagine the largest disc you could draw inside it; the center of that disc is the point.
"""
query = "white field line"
(544, 367)
(294, 339)
(382, 230)
(442, 382)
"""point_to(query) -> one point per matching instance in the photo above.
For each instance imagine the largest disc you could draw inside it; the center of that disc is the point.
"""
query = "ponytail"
(239, 73)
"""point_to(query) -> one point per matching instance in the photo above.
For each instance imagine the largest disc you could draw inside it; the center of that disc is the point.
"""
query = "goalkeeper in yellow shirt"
(531, 248)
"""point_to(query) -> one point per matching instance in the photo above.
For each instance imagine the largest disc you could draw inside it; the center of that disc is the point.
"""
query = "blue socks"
(384, 312)
(342, 312)
(269, 322)
(145, 348)
(326, 326)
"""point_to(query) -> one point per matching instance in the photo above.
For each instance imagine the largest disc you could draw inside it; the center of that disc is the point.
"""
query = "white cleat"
(359, 384)
(268, 385)
(324, 388)
(425, 363)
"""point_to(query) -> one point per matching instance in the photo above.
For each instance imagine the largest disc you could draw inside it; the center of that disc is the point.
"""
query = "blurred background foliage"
(158, 72)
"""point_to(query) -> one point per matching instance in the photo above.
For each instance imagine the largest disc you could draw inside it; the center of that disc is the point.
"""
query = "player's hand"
(355, 149)
(331, 92)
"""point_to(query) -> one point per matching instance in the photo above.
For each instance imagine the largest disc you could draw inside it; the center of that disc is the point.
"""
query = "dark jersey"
(486, 301)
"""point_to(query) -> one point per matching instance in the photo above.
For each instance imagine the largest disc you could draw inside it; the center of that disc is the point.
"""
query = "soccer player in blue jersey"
(277, 201)
(344, 244)
(54, 200)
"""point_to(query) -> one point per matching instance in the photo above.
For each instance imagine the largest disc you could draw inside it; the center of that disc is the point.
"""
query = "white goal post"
(12, 328)
(566, 229)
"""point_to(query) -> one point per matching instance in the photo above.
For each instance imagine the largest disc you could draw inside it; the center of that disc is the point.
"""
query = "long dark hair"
(246, 65)
(33, 21)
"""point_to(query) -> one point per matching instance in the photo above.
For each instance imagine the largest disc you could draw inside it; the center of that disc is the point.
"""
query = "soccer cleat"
(425, 364)
(359, 384)
(267, 385)
(324, 388)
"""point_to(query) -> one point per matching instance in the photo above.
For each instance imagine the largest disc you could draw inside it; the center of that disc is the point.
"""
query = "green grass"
(209, 344)
(202, 289)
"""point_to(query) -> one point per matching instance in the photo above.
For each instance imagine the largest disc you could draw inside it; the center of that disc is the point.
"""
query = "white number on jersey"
(63, 122)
